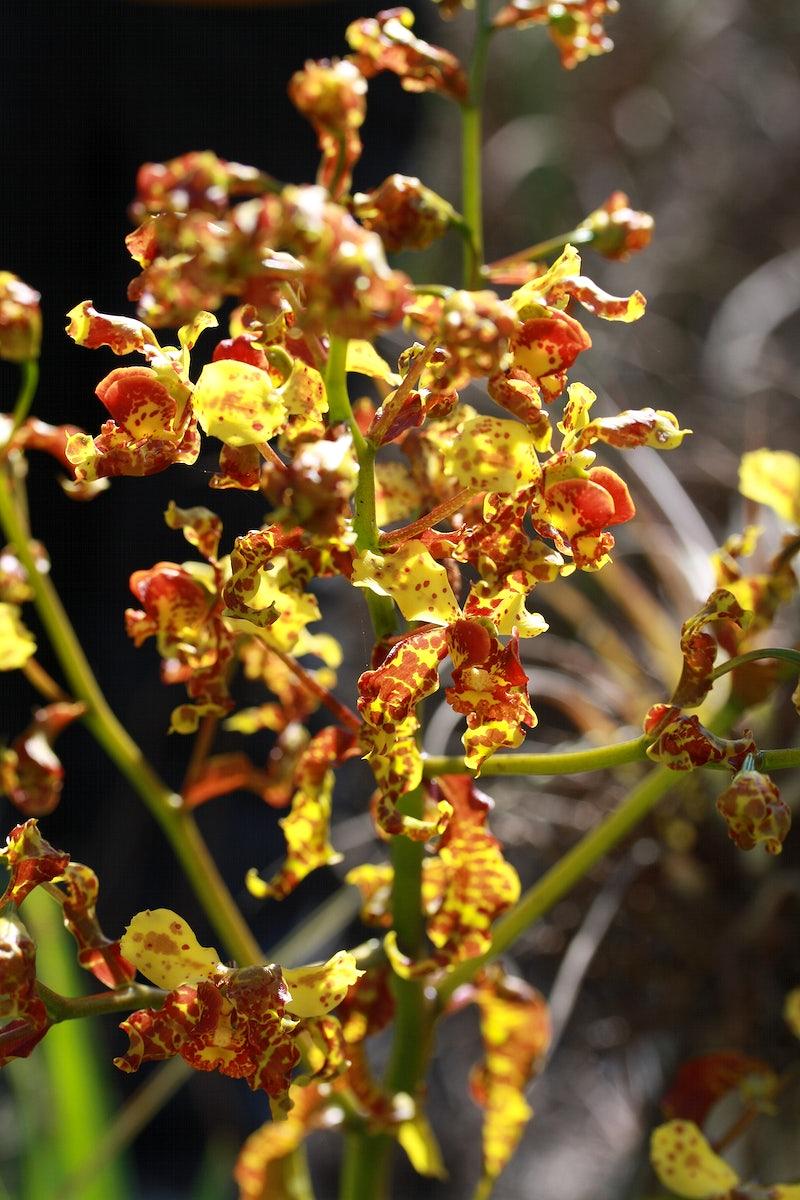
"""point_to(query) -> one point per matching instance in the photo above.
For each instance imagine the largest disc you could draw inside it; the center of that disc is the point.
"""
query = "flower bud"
(406, 214)
(618, 231)
(20, 319)
(754, 812)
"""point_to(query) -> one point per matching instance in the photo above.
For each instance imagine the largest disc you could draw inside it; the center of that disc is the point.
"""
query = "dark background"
(695, 114)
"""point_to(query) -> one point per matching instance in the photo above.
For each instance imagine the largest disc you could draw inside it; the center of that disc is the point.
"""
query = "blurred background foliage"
(682, 944)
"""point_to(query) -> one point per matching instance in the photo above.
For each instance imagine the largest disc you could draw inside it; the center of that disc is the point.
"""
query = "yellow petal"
(772, 477)
(493, 455)
(791, 1011)
(237, 403)
(165, 949)
(318, 988)
(414, 580)
(16, 643)
(685, 1163)
(363, 359)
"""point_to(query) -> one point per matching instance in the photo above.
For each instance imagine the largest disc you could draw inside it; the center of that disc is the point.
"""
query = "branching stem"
(176, 822)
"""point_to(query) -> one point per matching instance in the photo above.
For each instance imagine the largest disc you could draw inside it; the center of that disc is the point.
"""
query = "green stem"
(367, 1158)
(29, 372)
(471, 147)
(573, 762)
(576, 863)
(365, 1170)
(792, 656)
(365, 525)
(127, 999)
(566, 873)
(540, 250)
(177, 824)
(777, 760)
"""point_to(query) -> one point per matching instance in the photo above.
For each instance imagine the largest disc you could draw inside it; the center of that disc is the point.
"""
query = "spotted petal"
(419, 586)
(238, 403)
(685, 1163)
(493, 455)
(165, 949)
(700, 648)
(515, 1027)
(319, 988)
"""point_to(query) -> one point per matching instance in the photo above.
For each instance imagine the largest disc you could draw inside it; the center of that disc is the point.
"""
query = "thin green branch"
(572, 762)
(792, 656)
(471, 149)
(365, 525)
(576, 863)
(579, 762)
(120, 1000)
(566, 873)
(582, 236)
(29, 372)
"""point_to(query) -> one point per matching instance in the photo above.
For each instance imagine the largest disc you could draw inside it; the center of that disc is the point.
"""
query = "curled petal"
(516, 391)
(600, 303)
(635, 427)
(682, 743)
(409, 673)
(239, 467)
(515, 1028)
(489, 686)
(96, 953)
(198, 180)
(157, 1035)
(618, 231)
(123, 335)
(332, 96)
(546, 345)
(503, 603)
(396, 763)
(386, 43)
(31, 861)
(404, 213)
(699, 648)
(307, 827)
(575, 26)
(31, 773)
(139, 402)
(115, 452)
(201, 527)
